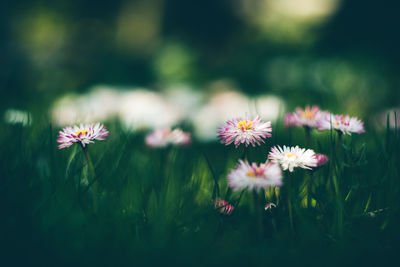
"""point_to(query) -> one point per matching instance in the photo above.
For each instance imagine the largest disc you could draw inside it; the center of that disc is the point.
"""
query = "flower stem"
(307, 131)
(258, 214)
(245, 154)
(338, 144)
(309, 189)
(93, 174)
(216, 192)
(290, 203)
(339, 201)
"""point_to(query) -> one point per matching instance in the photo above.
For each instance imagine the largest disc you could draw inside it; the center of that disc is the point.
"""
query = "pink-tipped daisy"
(254, 176)
(292, 157)
(341, 123)
(244, 131)
(321, 159)
(223, 206)
(308, 117)
(165, 136)
(84, 134)
(269, 206)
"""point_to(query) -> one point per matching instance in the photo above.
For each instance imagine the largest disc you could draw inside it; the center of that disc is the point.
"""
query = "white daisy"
(163, 137)
(292, 157)
(308, 117)
(244, 131)
(341, 123)
(83, 134)
(254, 176)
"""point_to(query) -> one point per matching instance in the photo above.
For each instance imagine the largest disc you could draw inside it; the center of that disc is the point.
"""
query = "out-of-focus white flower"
(308, 117)
(244, 131)
(100, 104)
(292, 157)
(221, 106)
(83, 134)
(15, 116)
(341, 123)
(164, 136)
(254, 176)
(185, 99)
(381, 119)
(143, 109)
(268, 107)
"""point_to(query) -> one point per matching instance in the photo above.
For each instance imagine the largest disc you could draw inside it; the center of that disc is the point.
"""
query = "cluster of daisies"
(85, 134)
(250, 176)
(313, 117)
(254, 176)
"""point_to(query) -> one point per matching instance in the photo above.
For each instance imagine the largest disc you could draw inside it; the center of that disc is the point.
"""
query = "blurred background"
(153, 63)
(142, 64)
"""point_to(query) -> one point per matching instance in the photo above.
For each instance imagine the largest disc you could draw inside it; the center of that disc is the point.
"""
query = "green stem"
(245, 154)
(258, 213)
(337, 170)
(338, 144)
(307, 131)
(309, 189)
(93, 174)
(290, 202)
(216, 191)
(339, 205)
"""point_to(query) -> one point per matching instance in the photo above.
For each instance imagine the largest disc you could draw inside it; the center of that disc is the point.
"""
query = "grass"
(155, 205)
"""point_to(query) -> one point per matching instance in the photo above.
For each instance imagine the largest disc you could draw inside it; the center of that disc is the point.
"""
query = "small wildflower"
(308, 117)
(269, 206)
(254, 176)
(292, 157)
(84, 134)
(341, 123)
(244, 131)
(164, 136)
(223, 206)
(321, 159)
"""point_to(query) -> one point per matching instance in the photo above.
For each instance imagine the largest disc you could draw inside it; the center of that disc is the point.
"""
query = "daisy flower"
(165, 136)
(223, 206)
(308, 117)
(321, 159)
(84, 134)
(292, 157)
(341, 123)
(269, 206)
(254, 176)
(244, 131)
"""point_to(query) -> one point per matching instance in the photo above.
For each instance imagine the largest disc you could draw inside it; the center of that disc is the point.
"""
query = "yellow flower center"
(245, 125)
(289, 155)
(254, 173)
(83, 132)
(307, 114)
(251, 174)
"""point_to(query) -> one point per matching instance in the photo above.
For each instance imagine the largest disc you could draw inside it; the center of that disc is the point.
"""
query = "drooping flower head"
(341, 123)
(244, 131)
(321, 159)
(292, 157)
(308, 117)
(254, 176)
(165, 136)
(269, 206)
(83, 134)
(223, 206)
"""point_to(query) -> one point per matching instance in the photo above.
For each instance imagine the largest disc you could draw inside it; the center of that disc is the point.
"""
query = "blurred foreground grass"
(155, 205)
